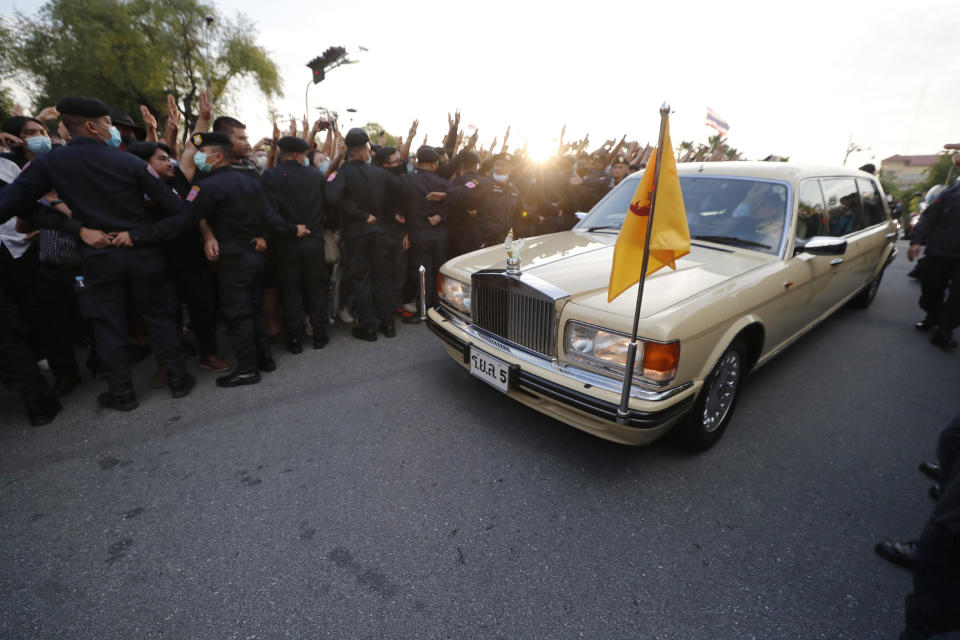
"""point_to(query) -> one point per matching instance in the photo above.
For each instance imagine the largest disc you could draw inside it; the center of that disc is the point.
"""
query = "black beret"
(81, 106)
(210, 137)
(468, 157)
(356, 137)
(506, 157)
(142, 149)
(293, 144)
(427, 154)
(620, 160)
(121, 118)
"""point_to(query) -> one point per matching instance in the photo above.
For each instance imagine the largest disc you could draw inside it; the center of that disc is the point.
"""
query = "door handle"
(836, 261)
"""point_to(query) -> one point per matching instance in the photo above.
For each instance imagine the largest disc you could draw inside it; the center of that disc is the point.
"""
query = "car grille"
(515, 311)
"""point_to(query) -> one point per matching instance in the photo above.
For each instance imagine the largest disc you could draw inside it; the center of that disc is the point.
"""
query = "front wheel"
(863, 299)
(711, 413)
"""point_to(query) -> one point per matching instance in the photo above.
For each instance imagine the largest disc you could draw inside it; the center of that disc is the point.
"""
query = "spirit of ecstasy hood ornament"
(513, 248)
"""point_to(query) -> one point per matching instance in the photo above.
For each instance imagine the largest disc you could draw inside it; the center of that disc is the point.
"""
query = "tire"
(863, 299)
(711, 413)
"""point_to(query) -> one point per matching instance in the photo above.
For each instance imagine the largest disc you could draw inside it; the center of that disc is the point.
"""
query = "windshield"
(734, 211)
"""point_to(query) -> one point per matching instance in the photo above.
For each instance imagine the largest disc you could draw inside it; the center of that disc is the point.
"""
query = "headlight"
(454, 293)
(656, 362)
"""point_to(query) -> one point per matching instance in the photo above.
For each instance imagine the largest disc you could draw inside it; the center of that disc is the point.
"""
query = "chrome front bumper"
(567, 393)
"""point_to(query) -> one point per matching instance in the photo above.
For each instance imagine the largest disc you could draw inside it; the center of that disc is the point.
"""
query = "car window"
(734, 211)
(845, 213)
(873, 210)
(811, 213)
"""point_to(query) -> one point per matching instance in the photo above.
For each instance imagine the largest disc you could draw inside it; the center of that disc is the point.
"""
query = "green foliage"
(941, 172)
(715, 149)
(373, 130)
(133, 52)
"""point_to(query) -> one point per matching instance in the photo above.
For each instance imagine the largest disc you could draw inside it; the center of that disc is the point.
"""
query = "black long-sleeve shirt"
(418, 209)
(361, 190)
(939, 225)
(103, 187)
(296, 192)
(236, 207)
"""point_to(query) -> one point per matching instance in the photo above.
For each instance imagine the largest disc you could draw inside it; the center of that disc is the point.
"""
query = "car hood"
(579, 263)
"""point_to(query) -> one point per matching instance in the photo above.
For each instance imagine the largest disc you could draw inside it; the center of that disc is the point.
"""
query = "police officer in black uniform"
(426, 219)
(234, 213)
(296, 192)
(189, 270)
(105, 191)
(362, 191)
(501, 207)
(461, 221)
(939, 229)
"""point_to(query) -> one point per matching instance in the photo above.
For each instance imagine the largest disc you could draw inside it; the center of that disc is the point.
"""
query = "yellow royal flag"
(670, 238)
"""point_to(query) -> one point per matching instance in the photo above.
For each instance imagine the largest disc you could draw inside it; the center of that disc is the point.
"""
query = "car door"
(845, 219)
(812, 291)
(869, 243)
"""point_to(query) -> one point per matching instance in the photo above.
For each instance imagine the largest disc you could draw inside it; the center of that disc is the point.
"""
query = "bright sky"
(797, 79)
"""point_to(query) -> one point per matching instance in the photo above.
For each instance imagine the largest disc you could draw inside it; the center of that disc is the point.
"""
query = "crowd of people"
(127, 241)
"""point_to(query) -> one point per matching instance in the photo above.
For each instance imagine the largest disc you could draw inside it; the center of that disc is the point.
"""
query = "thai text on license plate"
(491, 370)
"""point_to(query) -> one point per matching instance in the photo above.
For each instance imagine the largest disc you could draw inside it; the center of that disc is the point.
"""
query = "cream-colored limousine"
(775, 249)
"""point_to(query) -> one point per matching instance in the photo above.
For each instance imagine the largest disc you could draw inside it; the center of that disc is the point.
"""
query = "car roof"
(768, 170)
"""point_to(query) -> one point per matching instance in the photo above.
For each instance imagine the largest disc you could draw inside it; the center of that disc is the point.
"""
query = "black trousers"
(940, 276)
(302, 272)
(398, 270)
(368, 271)
(431, 253)
(18, 366)
(59, 318)
(195, 287)
(241, 294)
(114, 277)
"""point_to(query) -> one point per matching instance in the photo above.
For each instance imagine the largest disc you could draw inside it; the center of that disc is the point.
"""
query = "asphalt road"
(378, 491)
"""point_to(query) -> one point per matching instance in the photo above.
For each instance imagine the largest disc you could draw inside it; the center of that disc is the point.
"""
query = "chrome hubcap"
(721, 391)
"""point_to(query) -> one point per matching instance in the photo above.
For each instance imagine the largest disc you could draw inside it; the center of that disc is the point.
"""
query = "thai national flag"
(715, 121)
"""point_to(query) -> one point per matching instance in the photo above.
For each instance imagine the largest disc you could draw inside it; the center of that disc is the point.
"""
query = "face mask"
(200, 159)
(398, 170)
(113, 142)
(501, 177)
(323, 166)
(38, 144)
(306, 162)
(261, 162)
(410, 167)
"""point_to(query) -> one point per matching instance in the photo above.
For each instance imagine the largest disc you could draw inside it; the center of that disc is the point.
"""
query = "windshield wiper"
(604, 226)
(732, 240)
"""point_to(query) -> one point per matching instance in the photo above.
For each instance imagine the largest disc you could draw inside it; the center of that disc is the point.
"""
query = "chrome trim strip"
(581, 376)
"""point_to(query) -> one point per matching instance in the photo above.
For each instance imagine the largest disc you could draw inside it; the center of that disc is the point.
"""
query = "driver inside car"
(762, 221)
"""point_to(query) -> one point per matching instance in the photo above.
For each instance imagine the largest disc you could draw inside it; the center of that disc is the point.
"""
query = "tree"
(941, 172)
(133, 52)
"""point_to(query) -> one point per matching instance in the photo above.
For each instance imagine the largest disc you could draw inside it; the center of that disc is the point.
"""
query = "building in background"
(907, 171)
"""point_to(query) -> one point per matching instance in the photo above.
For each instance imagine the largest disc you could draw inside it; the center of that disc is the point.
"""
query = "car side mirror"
(580, 215)
(822, 246)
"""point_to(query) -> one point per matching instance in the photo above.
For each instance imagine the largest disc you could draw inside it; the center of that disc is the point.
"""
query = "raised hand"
(276, 132)
(413, 130)
(149, 121)
(292, 129)
(173, 113)
(50, 113)
(204, 108)
(306, 125)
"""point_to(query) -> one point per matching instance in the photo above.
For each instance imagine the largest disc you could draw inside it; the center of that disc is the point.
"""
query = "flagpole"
(623, 411)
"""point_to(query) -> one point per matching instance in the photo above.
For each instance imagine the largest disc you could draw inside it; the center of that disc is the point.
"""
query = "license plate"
(491, 370)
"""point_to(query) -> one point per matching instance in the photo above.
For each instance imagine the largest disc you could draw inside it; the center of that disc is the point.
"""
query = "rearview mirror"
(822, 246)
(580, 215)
